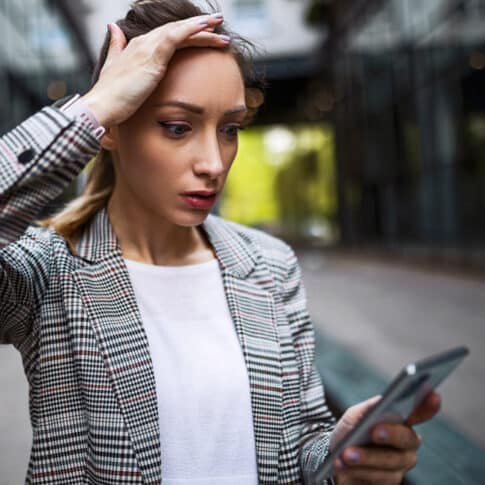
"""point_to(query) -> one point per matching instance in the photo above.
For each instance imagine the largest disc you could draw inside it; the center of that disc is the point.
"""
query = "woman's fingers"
(117, 42)
(160, 44)
(374, 465)
(350, 418)
(426, 410)
(170, 36)
(388, 459)
(392, 455)
(398, 436)
(359, 475)
(394, 451)
(206, 39)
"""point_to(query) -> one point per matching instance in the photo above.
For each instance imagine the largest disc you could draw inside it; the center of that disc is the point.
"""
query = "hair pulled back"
(144, 16)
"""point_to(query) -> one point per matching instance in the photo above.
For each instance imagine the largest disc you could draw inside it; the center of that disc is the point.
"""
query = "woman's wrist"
(96, 107)
(76, 107)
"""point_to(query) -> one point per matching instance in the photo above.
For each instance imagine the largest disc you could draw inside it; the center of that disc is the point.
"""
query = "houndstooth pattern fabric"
(74, 319)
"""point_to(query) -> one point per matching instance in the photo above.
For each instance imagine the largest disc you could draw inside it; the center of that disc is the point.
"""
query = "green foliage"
(249, 194)
(289, 190)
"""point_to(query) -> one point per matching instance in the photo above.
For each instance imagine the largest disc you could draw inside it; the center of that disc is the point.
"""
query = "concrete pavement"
(15, 433)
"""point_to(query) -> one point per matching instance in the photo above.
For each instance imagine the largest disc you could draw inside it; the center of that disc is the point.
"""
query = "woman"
(159, 341)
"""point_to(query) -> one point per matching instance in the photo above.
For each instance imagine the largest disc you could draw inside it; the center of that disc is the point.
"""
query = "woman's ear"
(110, 139)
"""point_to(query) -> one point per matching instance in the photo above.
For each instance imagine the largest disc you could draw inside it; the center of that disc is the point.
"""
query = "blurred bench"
(446, 456)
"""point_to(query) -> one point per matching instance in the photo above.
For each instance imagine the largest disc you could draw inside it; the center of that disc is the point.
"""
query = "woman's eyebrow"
(198, 109)
(238, 109)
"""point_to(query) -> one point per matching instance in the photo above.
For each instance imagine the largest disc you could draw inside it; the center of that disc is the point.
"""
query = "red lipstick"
(201, 199)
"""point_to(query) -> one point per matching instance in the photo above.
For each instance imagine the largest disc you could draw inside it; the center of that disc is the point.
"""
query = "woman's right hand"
(132, 71)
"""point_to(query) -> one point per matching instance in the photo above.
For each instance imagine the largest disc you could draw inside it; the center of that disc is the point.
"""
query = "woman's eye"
(232, 130)
(175, 129)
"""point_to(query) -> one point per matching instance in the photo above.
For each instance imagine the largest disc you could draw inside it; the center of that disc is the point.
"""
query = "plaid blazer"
(75, 321)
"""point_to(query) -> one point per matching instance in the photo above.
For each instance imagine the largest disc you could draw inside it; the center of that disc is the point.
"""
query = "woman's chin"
(194, 218)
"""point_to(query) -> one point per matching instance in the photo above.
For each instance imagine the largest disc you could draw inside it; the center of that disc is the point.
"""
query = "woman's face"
(173, 155)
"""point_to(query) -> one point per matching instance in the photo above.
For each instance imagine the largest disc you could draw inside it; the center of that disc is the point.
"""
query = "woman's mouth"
(200, 200)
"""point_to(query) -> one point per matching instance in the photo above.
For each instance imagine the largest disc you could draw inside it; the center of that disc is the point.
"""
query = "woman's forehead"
(201, 72)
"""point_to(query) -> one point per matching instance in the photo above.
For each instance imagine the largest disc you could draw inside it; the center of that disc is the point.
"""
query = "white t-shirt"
(204, 403)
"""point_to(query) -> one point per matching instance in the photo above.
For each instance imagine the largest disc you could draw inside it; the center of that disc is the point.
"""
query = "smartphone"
(398, 401)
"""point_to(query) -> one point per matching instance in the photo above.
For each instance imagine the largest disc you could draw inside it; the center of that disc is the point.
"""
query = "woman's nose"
(209, 159)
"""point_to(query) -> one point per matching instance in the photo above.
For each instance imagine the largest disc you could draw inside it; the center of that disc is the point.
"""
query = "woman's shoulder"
(271, 248)
(36, 241)
(30, 254)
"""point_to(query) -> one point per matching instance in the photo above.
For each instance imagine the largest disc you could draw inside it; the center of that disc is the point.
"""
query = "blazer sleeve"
(317, 420)
(38, 160)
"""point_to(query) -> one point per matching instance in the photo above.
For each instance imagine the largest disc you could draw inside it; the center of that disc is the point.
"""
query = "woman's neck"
(147, 238)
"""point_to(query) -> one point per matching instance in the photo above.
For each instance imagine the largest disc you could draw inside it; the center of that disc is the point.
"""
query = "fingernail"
(217, 15)
(338, 464)
(383, 435)
(202, 22)
(353, 456)
(226, 38)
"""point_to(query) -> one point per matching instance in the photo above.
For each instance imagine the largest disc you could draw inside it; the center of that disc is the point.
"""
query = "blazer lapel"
(253, 312)
(109, 299)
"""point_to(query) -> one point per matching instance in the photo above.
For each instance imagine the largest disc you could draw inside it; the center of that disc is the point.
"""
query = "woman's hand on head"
(393, 450)
(132, 71)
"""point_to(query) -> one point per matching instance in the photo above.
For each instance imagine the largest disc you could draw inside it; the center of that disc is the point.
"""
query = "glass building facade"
(41, 57)
(408, 89)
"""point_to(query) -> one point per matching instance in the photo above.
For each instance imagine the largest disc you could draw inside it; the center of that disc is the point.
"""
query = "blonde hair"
(143, 17)
(70, 221)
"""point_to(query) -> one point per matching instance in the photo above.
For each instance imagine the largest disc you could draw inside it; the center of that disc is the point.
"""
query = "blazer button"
(26, 156)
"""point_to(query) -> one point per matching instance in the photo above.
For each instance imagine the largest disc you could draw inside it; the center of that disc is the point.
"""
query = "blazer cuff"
(313, 454)
(77, 108)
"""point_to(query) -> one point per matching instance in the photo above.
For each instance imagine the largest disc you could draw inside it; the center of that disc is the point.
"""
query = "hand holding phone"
(397, 404)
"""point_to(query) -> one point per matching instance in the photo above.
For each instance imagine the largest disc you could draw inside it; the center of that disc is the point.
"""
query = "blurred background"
(368, 156)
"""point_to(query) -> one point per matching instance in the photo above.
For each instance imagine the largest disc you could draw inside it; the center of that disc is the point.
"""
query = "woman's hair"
(144, 16)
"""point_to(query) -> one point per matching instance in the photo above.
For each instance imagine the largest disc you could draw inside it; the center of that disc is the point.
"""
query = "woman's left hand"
(394, 447)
